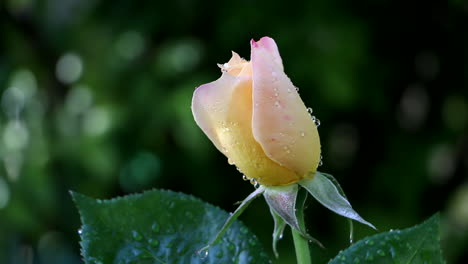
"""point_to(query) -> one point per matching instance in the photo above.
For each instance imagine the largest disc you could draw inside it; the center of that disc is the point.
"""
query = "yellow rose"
(256, 118)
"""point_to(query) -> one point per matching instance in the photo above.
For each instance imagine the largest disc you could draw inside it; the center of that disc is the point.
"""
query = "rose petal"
(281, 123)
(223, 110)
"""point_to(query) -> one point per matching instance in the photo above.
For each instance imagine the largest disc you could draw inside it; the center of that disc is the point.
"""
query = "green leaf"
(161, 227)
(418, 244)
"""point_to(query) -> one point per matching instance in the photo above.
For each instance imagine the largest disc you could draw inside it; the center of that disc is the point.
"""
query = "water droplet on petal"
(317, 122)
(277, 104)
(320, 164)
(80, 231)
(253, 181)
(245, 178)
(309, 110)
(302, 134)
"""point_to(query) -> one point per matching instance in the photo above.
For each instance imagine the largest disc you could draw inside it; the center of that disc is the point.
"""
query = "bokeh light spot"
(4, 193)
(179, 57)
(455, 112)
(458, 209)
(78, 100)
(69, 68)
(343, 145)
(414, 107)
(139, 172)
(441, 163)
(97, 121)
(15, 135)
(13, 163)
(130, 44)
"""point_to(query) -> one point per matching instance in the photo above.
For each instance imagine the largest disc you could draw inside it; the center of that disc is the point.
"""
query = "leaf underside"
(161, 227)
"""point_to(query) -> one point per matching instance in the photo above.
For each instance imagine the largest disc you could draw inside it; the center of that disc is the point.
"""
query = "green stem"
(302, 248)
(300, 242)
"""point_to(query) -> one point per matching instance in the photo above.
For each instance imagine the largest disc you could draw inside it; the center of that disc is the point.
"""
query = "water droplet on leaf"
(203, 254)
(153, 242)
(137, 236)
(155, 227)
(244, 230)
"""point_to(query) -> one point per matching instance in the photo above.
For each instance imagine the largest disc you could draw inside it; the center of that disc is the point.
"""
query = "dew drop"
(155, 227)
(253, 181)
(408, 246)
(309, 110)
(203, 254)
(280, 236)
(297, 89)
(153, 242)
(369, 256)
(244, 230)
(245, 178)
(302, 134)
(219, 254)
(277, 103)
(136, 252)
(320, 164)
(188, 214)
(289, 90)
(276, 94)
(369, 242)
(317, 122)
(231, 247)
(230, 161)
(137, 236)
(381, 253)
(171, 204)
(80, 231)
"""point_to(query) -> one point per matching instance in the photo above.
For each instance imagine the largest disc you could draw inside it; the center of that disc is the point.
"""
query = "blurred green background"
(95, 98)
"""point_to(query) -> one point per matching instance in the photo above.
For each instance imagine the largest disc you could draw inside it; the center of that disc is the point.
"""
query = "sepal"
(325, 191)
(284, 204)
(278, 230)
(245, 203)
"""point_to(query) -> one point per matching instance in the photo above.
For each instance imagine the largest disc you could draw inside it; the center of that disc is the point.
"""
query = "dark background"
(95, 97)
